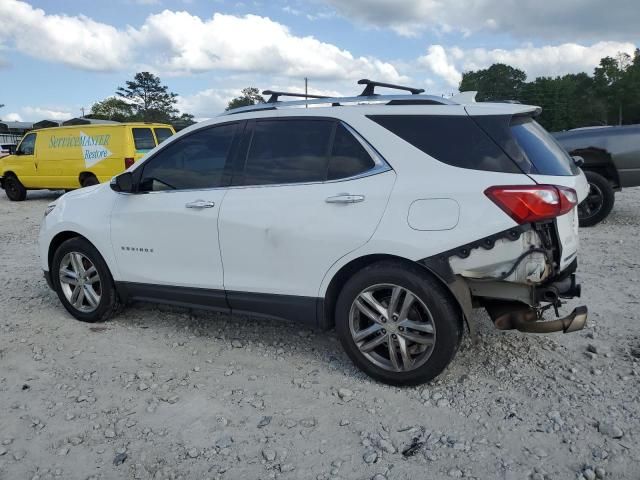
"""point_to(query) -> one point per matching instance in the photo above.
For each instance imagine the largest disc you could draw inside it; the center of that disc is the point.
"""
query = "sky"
(60, 56)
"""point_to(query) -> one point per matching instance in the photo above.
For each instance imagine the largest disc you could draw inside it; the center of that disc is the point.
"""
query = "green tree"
(152, 101)
(498, 82)
(183, 121)
(112, 108)
(249, 96)
(611, 83)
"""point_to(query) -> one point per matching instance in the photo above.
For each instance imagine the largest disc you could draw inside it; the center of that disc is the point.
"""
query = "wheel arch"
(59, 239)
(600, 161)
(327, 306)
(84, 174)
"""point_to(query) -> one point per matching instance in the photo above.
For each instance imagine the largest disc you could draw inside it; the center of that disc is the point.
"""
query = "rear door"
(162, 133)
(143, 141)
(308, 192)
(167, 233)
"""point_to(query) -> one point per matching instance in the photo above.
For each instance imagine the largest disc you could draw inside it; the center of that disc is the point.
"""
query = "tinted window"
(288, 151)
(28, 145)
(194, 161)
(143, 139)
(454, 140)
(541, 149)
(348, 156)
(162, 134)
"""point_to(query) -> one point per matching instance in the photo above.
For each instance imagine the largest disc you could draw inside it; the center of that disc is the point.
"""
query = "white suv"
(388, 217)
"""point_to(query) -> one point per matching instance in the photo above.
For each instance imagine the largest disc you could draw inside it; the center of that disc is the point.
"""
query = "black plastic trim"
(171, 295)
(47, 277)
(287, 307)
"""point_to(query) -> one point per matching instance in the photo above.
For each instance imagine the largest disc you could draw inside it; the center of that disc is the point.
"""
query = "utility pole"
(82, 110)
(306, 85)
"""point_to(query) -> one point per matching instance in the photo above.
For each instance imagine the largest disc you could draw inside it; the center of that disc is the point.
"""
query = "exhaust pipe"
(521, 317)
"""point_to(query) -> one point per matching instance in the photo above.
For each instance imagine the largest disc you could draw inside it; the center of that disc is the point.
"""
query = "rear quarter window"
(455, 140)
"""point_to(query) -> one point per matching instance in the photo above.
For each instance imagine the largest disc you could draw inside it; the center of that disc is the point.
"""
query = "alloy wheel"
(80, 282)
(392, 327)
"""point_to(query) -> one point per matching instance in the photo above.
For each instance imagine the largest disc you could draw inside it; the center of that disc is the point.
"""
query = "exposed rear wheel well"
(348, 270)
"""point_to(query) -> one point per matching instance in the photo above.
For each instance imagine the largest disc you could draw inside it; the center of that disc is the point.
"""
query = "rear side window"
(541, 149)
(194, 161)
(454, 140)
(143, 139)
(348, 156)
(288, 151)
(162, 134)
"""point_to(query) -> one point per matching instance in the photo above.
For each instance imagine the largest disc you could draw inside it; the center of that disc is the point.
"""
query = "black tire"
(445, 318)
(14, 189)
(89, 180)
(599, 203)
(109, 303)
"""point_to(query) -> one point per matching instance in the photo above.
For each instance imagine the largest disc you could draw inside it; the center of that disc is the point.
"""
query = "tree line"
(143, 99)
(610, 96)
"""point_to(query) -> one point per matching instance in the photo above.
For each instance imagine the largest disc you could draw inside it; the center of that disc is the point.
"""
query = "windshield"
(541, 149)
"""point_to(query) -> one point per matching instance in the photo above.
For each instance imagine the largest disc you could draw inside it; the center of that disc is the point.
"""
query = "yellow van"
(76, 156)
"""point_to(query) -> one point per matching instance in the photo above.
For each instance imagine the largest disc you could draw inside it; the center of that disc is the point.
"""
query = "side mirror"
(578, 160)
(12, 149)
(122, 183)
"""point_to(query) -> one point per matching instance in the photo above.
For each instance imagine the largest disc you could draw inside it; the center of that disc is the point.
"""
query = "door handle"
(200, 204)
(345, 198)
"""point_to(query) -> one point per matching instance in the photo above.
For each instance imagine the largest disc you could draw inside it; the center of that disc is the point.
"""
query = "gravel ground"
(168, 393)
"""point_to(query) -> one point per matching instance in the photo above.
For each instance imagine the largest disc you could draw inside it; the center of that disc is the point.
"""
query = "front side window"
(143, 139)
(288, 151)
(162, 134)
(194, 161)
(28, 145)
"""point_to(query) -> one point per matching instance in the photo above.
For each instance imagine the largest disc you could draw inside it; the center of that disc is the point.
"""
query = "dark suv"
(611, 161)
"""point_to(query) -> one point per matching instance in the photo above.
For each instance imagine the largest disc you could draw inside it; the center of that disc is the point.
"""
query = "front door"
(310, 192)
(167, 232)
(23, 163)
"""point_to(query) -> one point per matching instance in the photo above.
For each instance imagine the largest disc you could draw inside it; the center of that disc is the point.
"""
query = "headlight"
(49, 209)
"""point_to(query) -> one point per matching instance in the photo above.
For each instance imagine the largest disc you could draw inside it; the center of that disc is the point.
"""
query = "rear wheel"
(599, 202)
(83, 282)
(14, 189)
(89, 180)
(397, 323)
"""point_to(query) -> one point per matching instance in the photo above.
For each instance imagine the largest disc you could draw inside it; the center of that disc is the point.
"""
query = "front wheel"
(83, 282)
(599, 202)
(398, 323)
(14, 189)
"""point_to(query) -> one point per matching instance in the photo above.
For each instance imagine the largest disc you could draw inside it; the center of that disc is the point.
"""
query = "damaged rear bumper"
(519, 285)
(517, 316)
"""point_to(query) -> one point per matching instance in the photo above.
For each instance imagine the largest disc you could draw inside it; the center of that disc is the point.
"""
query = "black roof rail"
(275, 95)
(371, 85)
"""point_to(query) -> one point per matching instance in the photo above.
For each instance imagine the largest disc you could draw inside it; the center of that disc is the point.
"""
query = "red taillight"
(527, 204)
(128, 162)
